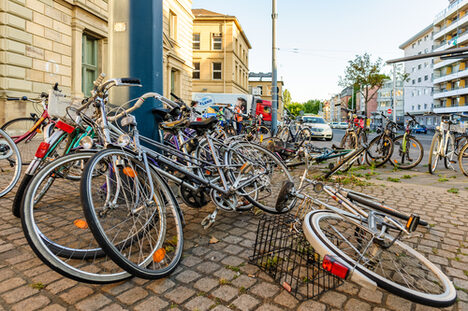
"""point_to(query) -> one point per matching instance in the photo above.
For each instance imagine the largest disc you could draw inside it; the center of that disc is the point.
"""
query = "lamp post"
(274, 83)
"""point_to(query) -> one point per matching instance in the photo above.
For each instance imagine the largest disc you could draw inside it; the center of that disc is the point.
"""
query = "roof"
(202, 14)
(261, 77)
(416, 36)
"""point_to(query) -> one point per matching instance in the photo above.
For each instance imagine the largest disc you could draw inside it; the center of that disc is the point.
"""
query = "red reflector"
(335, 267)
(42, 150)
(64, 127)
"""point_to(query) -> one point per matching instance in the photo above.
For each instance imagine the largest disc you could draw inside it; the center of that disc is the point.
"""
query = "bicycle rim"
(407, 153)
(139, 229)
(399, 268)
(434, 153)
(463, 160)
(10, 163)
(57, 231)
(450, 151)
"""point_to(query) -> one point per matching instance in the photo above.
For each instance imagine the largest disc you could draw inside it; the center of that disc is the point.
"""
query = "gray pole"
(352, 98)
(394, 93)
(274, 83)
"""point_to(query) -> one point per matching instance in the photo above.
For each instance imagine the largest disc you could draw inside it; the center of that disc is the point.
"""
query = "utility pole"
(394, 93)
(274, 83)
(352, 99)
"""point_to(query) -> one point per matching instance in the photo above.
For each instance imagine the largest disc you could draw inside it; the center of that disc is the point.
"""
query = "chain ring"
(228, 204)
(194, 199)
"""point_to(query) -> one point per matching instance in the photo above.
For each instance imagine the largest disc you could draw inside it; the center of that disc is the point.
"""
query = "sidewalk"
(218, 276)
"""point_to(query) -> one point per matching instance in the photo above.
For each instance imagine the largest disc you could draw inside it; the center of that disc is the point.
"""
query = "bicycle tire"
(258, 160)
(463, 159)
(51, 229)
(143, 258)
(9, 157)
(327, 242)
(381, 156)
(460, 142)
(16, 128)
(398, 160)
(450, 151)
(349, 141)
(433, 154)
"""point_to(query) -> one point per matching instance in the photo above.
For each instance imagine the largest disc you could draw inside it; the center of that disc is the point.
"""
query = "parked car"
(342, 125)
(318, 127)
(419, 129)
(333, 125)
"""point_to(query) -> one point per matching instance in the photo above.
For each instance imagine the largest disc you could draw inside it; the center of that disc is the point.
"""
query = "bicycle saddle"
(173, 125)
(203, 125)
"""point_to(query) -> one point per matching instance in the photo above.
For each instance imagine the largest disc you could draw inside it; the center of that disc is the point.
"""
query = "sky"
(316, 39)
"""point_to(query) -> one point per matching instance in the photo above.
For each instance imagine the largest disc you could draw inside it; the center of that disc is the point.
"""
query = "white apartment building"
(418, 97)
(451, 75)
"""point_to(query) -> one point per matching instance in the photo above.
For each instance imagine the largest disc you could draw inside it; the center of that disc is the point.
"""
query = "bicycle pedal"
(412, 223)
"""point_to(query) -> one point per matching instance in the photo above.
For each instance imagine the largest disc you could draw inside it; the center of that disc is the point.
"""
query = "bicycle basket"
(284, 253)
(58, 104)
(459, 128)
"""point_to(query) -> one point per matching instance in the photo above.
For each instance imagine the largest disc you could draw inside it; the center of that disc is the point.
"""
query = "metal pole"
(394, 93)
(352, 99)
(274, 83)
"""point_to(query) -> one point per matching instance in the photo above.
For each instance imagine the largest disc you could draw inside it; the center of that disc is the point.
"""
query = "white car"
(318, 127)
(333, 125)
(342, 125)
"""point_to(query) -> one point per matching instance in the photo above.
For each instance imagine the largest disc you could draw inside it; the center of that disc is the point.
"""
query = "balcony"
(452, 8)
(452, 109)
(450, 93)
(444, 45)
(453, 26)
(452, 76)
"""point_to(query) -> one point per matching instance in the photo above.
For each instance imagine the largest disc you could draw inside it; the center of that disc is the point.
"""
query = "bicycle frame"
(34, 129)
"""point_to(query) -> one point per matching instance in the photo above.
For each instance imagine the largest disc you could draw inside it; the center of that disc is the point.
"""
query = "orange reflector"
(39, 131)
(130, 172)
(207, 172)
(244, 166)
(80, 223)
(396, 161)
(414, 145)
(159, 255)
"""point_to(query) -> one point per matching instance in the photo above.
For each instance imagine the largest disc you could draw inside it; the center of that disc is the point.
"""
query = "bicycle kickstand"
(209, 220)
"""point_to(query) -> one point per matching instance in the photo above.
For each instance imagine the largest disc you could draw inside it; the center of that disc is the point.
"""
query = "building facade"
(451, 75)
(260, 85)
(385, 102)
(44, 42)
(418, 89)
(220, 54)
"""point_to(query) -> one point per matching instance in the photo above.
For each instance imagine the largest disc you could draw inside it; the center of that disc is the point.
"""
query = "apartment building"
(260, 85)
(451, 75)
(385, 102)
(220, 54)
(418, 97)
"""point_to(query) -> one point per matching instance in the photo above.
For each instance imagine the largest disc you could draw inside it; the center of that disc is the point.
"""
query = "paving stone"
(75, 294)
(180, 294)
(396, 303)
(19, 294)
(244, 281)
(10, 284)
(207, 267)
(371, 295)
(221, 308)
(245, 302)
(33, 303)
(232, 261)
(160, 286)
(191, 261)
(152, 303)
(187, 276)
(215, 256)
(225, 274)
(206, 284)
(132, 296)
(200, 303)
(113, 307)
(233, 249)
(311, 305)
(54, 307)
(286, 299)
(225, 292)
(354, 304)
(60, 286)
(334, 299)
(265, 290)
(93, 303)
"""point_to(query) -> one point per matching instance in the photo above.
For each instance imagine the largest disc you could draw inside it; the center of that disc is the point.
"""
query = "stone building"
(260, 85)
(220, 54)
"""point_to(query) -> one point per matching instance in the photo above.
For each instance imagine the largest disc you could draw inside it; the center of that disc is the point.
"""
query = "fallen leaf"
(213, 240)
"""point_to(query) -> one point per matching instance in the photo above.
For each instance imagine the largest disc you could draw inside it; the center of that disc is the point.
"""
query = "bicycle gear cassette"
(195, 199)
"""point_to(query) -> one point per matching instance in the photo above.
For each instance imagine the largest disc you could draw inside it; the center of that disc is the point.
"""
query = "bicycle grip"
(13, 98)
(99, 79)
(131, 81)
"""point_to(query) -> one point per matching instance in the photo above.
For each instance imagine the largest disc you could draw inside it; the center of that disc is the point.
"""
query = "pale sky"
(317, 38)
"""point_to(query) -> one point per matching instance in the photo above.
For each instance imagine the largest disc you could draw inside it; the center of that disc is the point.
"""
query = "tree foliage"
(286, 97)
(295, 108)
(364, 74)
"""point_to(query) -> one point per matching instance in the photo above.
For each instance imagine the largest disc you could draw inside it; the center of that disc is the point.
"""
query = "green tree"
(364, 74)
(286, 97)
(295, 108)
(312, 106)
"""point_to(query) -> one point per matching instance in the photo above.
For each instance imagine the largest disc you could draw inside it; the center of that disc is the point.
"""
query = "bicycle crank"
(209, 220)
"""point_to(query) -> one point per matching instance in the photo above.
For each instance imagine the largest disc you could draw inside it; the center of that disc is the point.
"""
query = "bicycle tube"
(405, 136)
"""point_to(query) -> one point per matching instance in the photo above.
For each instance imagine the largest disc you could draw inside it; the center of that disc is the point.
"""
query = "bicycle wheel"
(407, 152)
(460, 142)
(137, 222)
(10, 163)
(434, 152)
(283, 134)
(56, 229)
(261, 171)
(463, 160)
(450, 157)
(304, 135)
(18, 127)
(397, 268)
(379, 151)
(349, 141)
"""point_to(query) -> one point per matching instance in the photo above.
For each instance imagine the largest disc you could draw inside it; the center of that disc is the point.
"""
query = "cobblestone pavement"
(219, 277)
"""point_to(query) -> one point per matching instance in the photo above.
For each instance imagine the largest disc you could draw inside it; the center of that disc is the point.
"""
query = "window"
(419, 107)
(414, 81)
(426, 77)
(196, 41)
(260, 90)
(217, 42)
(175, 81)
(425, 106)
(419, 79)
(414, 45)
(172, 25)
(412, 108)
(425, 64)
(196, 71)
(419, 67)
(236, 48)
(413, 69)
(89, 63)
(217, 72)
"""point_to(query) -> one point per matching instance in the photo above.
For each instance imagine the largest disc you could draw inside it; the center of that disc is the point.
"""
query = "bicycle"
(463, 159)
(381, 147)
(408, 152)
(356, 133)
(443, 143)
(361, 239)
(293, 131)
